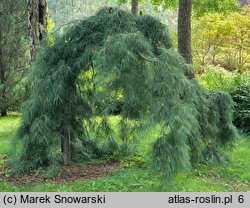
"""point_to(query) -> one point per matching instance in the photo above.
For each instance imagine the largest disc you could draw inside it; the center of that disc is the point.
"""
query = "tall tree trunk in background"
(135, 7)
(244, 2)
(85, 4)
(3, 111)
(90, 7)
(37, 12)
(184, 30)
(83, 8)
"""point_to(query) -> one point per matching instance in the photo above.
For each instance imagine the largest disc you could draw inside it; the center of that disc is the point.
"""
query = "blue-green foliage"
(128, 61)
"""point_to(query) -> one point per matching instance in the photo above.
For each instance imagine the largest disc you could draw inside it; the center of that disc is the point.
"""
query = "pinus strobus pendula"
(115, 62)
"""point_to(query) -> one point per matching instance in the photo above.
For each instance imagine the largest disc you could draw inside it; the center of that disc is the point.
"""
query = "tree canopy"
(203, 7)
(223, 39)
(116, 59)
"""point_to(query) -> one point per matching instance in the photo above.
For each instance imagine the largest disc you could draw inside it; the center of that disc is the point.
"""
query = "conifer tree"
(13, 56)
(117, 59)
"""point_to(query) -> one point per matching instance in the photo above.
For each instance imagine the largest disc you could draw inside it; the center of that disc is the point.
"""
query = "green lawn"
(234, 176)
(8, 126)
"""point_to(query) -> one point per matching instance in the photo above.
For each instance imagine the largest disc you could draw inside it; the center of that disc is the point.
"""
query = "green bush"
(237, 85)
(241, 97)
(216, 78)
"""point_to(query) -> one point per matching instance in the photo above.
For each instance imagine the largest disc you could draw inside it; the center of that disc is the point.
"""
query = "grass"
(231, 177)
(8, 126)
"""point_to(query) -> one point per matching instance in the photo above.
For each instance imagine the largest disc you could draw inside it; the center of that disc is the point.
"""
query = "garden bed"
(69, 173)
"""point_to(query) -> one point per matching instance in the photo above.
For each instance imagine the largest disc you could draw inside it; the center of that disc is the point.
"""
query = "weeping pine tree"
(117, 62)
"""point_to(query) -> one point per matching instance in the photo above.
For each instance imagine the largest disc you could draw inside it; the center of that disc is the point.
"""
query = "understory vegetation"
(237, 85)
(136, 176)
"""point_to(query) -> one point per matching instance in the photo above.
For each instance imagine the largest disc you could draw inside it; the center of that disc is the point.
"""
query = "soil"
(67, 174)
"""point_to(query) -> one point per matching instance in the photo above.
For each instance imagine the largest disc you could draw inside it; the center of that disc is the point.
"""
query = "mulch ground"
(69, 173)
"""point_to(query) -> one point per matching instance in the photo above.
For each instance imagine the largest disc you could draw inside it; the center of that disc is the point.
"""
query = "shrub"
(241, 96)
(237, 85)
(216, 78)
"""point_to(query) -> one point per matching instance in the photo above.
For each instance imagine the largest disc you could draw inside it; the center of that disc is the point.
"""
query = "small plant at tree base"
(133, 63)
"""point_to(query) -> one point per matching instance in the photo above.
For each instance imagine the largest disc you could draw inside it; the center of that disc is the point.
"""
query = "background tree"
(184, 18)
(13, 54)
(222, 39)
(203, 7)
(184, 30)
(65, 12)
(37, 23)
(135, 7)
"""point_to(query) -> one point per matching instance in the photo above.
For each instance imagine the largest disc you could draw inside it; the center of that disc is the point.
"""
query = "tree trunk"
(83, 8)
(184, 30)
(135, 7)
(3, 112)
(90, 3)
(244, 2)
(37, 24)
(2, 73)
(66, 148)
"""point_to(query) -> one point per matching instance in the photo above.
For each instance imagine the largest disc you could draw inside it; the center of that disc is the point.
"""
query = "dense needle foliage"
(13, 55)
(112, 60)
